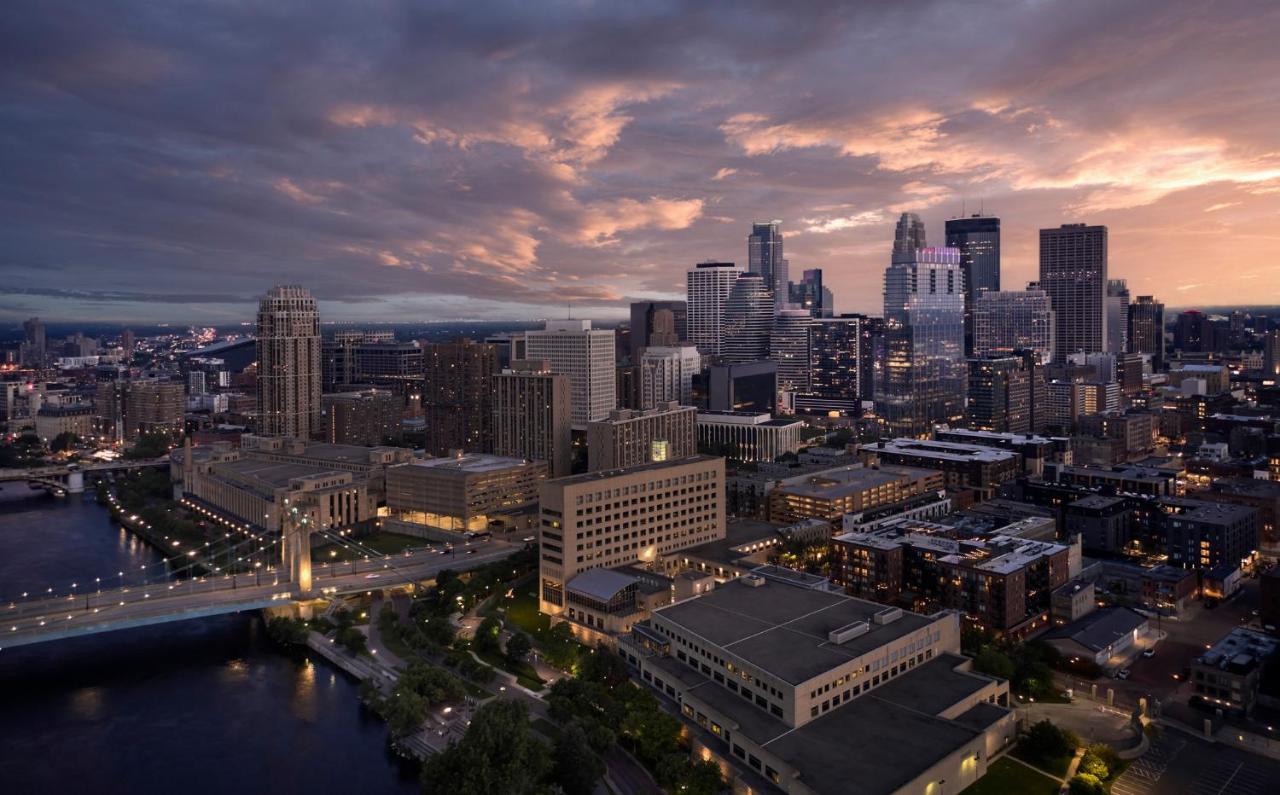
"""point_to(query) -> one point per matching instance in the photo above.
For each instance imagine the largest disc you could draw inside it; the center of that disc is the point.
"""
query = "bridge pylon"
(295, 529)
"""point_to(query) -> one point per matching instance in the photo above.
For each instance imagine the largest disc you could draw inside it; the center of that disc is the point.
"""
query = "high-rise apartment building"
(1073, 271)
(643, 315)
(707, 288)
(531, 415)
(764, 256)
(1003, 322)
(748, 320)
(586, 355)
(789, 347)
(628, 438)
(34, 344)
(999, 395)
(365, 358)
(367, 417)
(1117, 316)
(840, 365)
(1271, 354)
(921, 377)
(666, 375)
(1195, 332)
(457, 396)
(289, 371)
(621, 517)
(1146, 330)
(153, 406)
(977, 238)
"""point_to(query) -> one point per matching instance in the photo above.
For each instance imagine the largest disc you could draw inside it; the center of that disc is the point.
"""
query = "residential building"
(1146, 330)
(586, 356)
(153, 405)
(999, 393)
(1206, 535)
(667, 373)
(457, 396)
(1103, 523)
(628, 438)
(366, 417)
(1227, 675)
(462, 493)
(789, 348)
(966, 466)
(747, 436)
(289, 371)
(74, 418)
(829, 494)
(707, 288)
(371, 358)
(1073, 272)
(841, 361)
(1004, 322)
(531, 415)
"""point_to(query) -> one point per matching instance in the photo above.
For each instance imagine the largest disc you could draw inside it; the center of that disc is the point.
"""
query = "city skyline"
(601, 181)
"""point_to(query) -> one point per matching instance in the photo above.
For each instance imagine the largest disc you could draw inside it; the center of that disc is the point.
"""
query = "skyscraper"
(922, 376)
(999, 394)
(764, 256)
(666, 374)
(531, 415)
(978, 240)
(1271, 354)
(288, 363)
(748, 320)
(789, 347)
(34, 344)
(1117, 316)
(1003, 322)
(1073, 271)
(840, 356)
(908, 237)
(812, 295)
(585, 354)
(457, 395)
(642, 317)
(707, 290)
(1146, 330)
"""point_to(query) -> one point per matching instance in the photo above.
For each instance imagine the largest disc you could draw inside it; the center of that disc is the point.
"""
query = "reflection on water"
(206, 706)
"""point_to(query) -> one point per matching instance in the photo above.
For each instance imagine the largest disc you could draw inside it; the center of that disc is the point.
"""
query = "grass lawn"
(1007, 777)
(523, 672)
(521, 611)
(1057, 766)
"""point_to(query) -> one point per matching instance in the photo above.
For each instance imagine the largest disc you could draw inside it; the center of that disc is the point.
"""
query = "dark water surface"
(204, 706)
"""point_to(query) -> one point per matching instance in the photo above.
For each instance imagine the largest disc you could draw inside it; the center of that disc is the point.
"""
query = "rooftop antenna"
(570, 305)
(982, 210)
(963, 211)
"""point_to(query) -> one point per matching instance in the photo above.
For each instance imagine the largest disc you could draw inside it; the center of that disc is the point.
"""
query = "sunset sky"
(169, 162)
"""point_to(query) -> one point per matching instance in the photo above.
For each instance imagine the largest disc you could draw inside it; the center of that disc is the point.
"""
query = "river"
(204, 706)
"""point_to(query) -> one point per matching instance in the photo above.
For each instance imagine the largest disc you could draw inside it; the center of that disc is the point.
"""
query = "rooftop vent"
(887, 616)
(848, 632)
(753, 580)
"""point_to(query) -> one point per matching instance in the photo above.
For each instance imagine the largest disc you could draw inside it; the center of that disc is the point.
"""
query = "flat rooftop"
(848, 480)
(783, 629)
(605, 474)
(272, 474)
(943, 451)
(477, 463)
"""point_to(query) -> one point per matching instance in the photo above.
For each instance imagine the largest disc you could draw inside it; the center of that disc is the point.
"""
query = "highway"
(36, 621)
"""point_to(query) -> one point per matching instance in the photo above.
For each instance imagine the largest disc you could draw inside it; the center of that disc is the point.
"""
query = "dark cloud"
(455, 159)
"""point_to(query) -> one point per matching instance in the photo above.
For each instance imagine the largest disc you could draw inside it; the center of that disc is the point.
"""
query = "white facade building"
(586, 355)
(666, 375)
(708, 285)
(756, 437)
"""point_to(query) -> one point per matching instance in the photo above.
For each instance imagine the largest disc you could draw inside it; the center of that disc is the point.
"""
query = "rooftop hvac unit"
(888, 615)
(848, 632)
(753, 580)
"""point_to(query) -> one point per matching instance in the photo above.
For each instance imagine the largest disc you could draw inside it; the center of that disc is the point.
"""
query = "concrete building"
(53, 421)
(831, 493)
(153, 405)
(1228, 673)
(968, 466)
(369, 463)
(532, 417)
(667, 373)
(1146, 330)
(751, 386)
(1035, 450)
(1206, 535)
(1073, 272)
(643, 317)
(463, 493)
(628, 438)
(999, 395)
(366, 417)
(621, 517)
(748, 435)
(457, 396)
(789, 348)
(586, 355)
(777, 681)
(1103, 523)
(370, 358)
(841, 367)
(707, 289)
(289, 371)
(1017, 320)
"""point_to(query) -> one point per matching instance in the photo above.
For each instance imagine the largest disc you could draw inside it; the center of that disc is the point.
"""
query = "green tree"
(287, 631)
(994, 662)
(64, 441)
(404, 710)
(149, 445)
(518, 648)
(1085, 784)
(1045, 741)
(497, 756)
(577, 766)
(486, 639)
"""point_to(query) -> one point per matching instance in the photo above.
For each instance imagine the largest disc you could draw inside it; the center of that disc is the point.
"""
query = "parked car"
(1123, 673)
(1151, 652)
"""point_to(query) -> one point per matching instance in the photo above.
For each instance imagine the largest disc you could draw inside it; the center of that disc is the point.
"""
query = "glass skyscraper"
(977, 237)
(765, 257)
(748, 320)
(1146, 330)
(922, 376)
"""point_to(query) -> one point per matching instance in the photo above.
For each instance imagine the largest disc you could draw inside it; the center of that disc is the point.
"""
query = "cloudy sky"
(415, 161)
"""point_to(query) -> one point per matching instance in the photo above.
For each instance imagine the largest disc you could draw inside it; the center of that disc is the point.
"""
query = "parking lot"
(1178, 763)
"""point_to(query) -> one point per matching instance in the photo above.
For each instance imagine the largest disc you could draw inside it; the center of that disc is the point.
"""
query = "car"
(1149, 652)
(1123, 673)
(372, 576)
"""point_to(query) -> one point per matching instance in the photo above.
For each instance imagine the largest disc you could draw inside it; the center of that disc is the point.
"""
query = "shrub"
(1085, 784)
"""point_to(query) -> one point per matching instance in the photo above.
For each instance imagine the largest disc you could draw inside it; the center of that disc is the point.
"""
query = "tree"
(577, 767)
(518, 647)
(1045, 741)
(487, 635)
(149, 445)
(993, 662)
(1085, 784)
(64, 441)
(287, 631)
(497, 756)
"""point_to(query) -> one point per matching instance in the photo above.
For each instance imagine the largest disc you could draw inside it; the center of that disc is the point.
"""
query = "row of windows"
(645, 488)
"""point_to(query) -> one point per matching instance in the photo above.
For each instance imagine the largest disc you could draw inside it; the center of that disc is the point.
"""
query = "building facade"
(586, 355)
(628, 437)
(531, 415)
(457, 396)
(1073, 271)
(748, 436)
(765, 257)
(289, 370)
(707, 288)
(1004, 322)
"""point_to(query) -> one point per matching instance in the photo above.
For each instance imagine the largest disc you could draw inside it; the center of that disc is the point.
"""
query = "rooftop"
(849, 480)
(943, 451)
(601, 584)
(476, 463)
(1240, 651)
(783, 629)
(1101, 628)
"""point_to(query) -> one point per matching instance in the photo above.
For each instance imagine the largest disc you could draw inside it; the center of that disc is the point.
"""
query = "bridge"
(48, 617)
(71, 476)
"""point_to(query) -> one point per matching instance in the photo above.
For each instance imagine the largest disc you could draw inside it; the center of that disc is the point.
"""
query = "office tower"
(789, 347)
(586, 355)
(840, 354)
(908, 236)
(510, 347)
(153, 405)
(34, 344)
(1073, 271)
(626, 379)
(127, 342)
(764, 257)
(666, 375)
(643, 314)
(196, 383)
(922, 375)
(978, 240)
(1128, 373)
(370, 358)
(999, 395)
(531, 415)
(707, 288)
(749, 386)
(1146, 330)
(1117, 316)
(1033, 364)
(1003, 322)
(1195, 332)
(683, 507)
(810, 294)
(1271, 354)
(628, 438)
(368, 417)
(457, 396)
(288, 363)
(748, 320)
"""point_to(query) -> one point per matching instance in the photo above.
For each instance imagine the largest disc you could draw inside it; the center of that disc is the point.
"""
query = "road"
(42, 620)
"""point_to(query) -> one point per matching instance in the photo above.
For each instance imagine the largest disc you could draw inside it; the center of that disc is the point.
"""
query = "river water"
(204, 706)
